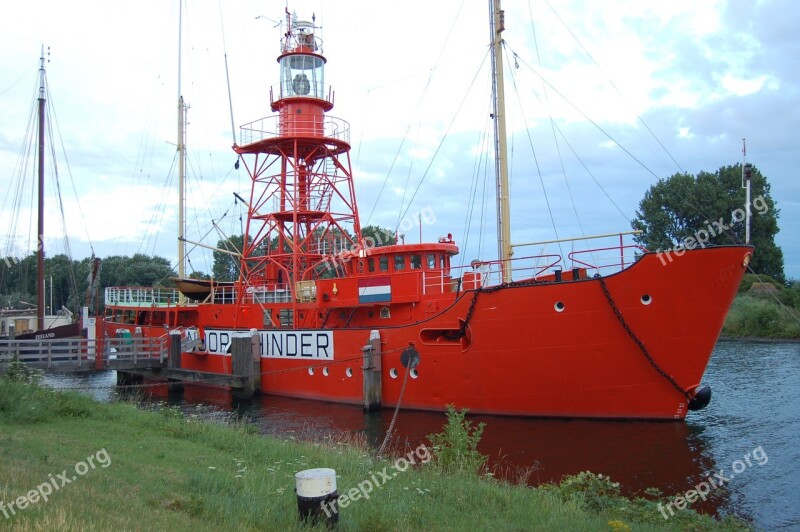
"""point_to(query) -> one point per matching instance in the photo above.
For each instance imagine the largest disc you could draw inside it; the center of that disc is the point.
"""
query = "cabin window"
(384, 264)
(159, 317)
(443, 261)
(416, 262)
(371, 265)
(431, 261)
(399, 262)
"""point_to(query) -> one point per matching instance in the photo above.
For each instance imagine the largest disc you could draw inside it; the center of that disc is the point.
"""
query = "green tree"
(226, 266)
(378, 236)
(710, 207)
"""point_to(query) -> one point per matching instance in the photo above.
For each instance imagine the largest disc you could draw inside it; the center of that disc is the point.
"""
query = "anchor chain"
(639, 343)
(462, 331)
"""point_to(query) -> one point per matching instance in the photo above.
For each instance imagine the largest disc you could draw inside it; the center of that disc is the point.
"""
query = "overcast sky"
(693, 77)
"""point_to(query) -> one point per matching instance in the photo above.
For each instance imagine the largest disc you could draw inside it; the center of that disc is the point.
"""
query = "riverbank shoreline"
(758, 340)
(129, 468)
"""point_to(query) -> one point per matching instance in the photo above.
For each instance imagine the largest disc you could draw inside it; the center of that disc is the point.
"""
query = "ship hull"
(556, 349)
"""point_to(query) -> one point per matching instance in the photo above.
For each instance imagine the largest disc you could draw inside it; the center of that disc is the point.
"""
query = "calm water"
(748, 434)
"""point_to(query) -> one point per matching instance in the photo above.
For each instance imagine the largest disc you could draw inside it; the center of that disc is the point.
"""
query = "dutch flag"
(374, 290)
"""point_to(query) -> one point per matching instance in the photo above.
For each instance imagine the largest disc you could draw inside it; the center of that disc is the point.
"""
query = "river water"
(744, 445)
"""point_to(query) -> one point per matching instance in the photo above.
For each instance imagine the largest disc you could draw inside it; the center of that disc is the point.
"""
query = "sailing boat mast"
(40, 227)
(181, 161)
(504, 250)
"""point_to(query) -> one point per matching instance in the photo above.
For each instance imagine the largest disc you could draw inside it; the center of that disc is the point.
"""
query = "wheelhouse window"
(431, 259)
(384, 264)
(399, 262)
(416, 262)
(371, 265)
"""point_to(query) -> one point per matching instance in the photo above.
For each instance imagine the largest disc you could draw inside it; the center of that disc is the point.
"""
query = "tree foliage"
(377, 236)
(709, 208)
(70, 279)
(226, 266)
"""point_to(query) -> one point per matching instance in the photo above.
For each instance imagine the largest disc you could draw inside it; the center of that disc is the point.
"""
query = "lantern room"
(302, 66)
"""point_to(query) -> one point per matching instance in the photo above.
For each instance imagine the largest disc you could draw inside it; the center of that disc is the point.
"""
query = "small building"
(14, 322)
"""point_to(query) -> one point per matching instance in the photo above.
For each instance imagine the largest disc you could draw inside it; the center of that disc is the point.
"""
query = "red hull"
(523, 357)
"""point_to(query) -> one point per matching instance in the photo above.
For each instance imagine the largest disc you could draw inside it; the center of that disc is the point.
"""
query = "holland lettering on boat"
(306, 344)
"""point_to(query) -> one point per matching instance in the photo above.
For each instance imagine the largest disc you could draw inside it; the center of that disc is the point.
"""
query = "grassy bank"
(161, 470)
(760, 311)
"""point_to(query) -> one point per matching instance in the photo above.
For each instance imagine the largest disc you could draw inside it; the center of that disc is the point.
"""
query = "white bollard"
(316, 496)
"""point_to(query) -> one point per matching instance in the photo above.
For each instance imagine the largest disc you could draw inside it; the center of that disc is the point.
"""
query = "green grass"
(763, 315)
(171, 472)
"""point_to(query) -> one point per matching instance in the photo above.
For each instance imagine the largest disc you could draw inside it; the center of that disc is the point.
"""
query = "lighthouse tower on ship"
(302, 209)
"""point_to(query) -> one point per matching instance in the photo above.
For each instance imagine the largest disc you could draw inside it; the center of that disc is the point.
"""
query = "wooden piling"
(174, 360)
(371, 370)
(246, 362)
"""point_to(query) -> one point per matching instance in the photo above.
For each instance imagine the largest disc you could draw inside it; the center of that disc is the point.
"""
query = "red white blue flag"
(374, 290)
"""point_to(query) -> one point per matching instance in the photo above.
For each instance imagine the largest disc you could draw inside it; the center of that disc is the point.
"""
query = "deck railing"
(141, 296)
(546, 266)
(271, 127)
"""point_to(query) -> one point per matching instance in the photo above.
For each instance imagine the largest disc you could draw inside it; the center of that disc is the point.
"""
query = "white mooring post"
(317, 496)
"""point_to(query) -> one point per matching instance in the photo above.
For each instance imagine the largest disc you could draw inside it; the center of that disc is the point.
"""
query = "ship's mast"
(504, 250)
(181, 162)
(40, 226)
(747, 172)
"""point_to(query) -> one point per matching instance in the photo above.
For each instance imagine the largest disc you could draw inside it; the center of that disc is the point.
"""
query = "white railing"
(302, 125)
(141, 296)
(269, 293)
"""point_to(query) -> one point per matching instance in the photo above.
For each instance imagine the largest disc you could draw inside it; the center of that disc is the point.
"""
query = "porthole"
(325, 371)
(559, 306)
(310, 371)
(414, 373)
(646, 299)
(393, 373)
(348, 372)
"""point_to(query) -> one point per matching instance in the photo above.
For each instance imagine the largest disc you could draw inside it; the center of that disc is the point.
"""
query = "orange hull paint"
(525, 358)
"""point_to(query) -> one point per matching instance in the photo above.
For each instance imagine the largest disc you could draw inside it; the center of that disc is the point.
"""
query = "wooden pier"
(136, 358)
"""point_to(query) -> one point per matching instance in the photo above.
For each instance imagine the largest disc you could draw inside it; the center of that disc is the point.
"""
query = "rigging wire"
(478, 165)
(441, 142)
(402, 212)
(536, 163)
(638, 116)
(552, 123)
(69, 171)
(227, 75)
(688, 201)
